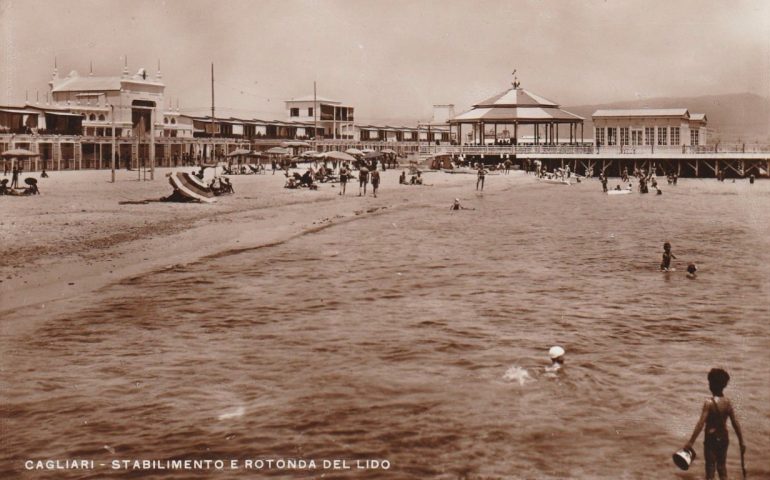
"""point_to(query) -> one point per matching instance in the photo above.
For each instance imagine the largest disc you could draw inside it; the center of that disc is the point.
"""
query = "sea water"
(417, 336)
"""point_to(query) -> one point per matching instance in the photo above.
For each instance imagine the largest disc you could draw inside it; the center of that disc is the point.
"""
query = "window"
(674, 135)
(310, 112)
(165, 120)
(612, 136)
(649, 135)
(662, 136)
(599, 136)
(294, 112)
(92, 117)
(624, 136)
(694, 138)
(173, 121)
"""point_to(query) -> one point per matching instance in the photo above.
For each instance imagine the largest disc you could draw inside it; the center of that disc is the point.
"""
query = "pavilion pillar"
(495, 134)
(557, 133)
(515, 133)
(581, 133)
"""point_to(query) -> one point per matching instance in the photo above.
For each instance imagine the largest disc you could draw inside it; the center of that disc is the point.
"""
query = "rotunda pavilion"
(519, 107)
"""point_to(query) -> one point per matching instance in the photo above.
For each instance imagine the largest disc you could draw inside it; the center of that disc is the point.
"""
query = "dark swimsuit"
(716, 439)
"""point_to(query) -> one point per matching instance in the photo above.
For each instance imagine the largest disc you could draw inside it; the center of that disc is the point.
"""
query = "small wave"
(518, 374)
(237, 412)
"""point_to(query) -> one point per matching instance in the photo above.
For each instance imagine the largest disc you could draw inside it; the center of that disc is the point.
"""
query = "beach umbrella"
(367, 150)
(354, 151)
(191, 187)
(294, 143)
(369, 155)
(278, 151)
(388, 150)
(341, 156)
(310, 154)
(18, 153)
(238, 152)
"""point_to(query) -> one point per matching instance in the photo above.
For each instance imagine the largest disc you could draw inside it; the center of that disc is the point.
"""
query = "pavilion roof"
(516, 105)
(516, 97)
(520, 114)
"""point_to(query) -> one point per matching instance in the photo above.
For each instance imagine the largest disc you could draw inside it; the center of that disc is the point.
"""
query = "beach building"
(515, 108)
(334, 118)
(437, 129)
(653, 127)
(127, 102)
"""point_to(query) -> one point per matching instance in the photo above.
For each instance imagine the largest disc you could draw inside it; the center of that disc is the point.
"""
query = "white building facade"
(332, 116)
(673, 127)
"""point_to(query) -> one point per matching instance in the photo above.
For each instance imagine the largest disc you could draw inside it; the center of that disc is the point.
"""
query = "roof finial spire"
(158, 75)
(55, 69)
(91, 69)
(125, 66)
(515, 82)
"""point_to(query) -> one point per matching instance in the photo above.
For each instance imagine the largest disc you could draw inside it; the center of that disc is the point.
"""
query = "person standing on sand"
(480, 177)
(714, 415)
(375, 181)
(343, 179)
(363, 179)
(15, 177)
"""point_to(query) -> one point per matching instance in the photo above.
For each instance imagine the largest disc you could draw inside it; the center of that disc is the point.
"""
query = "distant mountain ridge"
(743, 117)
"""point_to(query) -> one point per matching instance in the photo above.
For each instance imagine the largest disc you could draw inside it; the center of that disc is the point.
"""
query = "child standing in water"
(665, 265)
(714, 416)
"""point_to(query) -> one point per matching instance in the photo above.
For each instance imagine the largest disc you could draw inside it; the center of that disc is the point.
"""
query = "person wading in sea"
(665, 264)
(714, 415)
(480, 177)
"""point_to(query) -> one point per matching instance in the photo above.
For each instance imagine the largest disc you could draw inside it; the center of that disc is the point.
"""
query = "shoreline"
(70, 245)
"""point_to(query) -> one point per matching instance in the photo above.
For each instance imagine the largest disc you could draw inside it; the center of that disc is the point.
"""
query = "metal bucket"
(684, 457)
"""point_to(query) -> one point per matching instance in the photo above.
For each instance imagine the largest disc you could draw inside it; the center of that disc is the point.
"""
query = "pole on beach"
(213, 148)
(112, 163)
(315, 115)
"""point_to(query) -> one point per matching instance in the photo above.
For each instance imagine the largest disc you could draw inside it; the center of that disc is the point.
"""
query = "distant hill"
(736, 117)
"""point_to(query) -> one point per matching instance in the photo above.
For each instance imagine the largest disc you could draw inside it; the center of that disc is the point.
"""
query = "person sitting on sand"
(691, 269)
(402, 178)
(416, 179)
(714, 415)
(43, 174)
(557, 359)
(665, 264)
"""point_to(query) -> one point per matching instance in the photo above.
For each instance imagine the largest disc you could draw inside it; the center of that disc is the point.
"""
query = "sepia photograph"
(385, 239)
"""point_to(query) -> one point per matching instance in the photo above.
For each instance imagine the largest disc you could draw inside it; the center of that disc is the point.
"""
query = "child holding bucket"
(714, 416)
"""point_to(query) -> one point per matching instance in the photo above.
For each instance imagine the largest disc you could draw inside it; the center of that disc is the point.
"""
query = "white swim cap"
(556, 352)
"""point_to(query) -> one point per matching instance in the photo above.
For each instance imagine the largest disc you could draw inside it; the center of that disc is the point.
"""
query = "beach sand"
(76, 237)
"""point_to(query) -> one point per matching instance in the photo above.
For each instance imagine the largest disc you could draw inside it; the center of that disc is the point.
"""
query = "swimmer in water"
(456, 206)
(665, 264)
(557, 359)
(691, 269)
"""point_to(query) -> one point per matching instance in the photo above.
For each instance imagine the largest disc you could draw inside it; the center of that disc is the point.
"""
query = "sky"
(391, 59)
